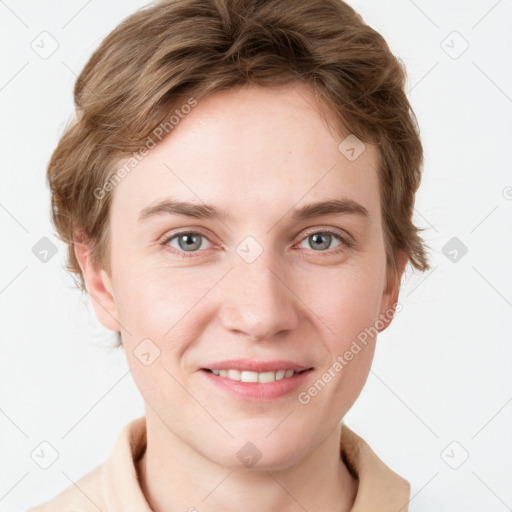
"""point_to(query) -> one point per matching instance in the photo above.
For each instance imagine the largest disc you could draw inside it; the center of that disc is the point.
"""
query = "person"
(236, 194)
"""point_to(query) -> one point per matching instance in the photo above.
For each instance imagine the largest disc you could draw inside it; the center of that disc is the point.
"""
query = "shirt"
(114, 486)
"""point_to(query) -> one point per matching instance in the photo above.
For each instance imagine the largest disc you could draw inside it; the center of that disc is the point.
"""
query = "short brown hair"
(149, 65)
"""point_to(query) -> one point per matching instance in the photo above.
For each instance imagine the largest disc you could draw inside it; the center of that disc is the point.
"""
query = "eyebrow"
(204, 211)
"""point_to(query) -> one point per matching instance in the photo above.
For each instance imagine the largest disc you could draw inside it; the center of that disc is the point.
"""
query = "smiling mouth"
(255, 377)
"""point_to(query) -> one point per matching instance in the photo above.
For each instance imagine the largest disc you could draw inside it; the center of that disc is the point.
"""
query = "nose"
(258, 302)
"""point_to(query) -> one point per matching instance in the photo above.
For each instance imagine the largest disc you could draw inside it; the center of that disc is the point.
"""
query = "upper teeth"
(246, 376)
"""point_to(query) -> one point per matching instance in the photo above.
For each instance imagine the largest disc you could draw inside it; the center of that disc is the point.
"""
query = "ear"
(99, 286)
(390, 294)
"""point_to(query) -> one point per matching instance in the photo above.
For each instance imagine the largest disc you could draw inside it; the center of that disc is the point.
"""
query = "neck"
(172, 480)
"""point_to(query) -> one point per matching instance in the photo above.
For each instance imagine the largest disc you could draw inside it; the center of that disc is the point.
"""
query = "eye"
(188, 241)
(323, 240)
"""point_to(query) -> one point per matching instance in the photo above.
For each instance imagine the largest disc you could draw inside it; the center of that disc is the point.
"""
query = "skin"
(258, 153)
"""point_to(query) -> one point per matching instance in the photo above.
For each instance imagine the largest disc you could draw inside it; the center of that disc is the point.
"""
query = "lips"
(251, 371)
(257, 381)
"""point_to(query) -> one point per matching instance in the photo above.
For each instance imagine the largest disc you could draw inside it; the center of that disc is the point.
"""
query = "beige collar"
(379, 488)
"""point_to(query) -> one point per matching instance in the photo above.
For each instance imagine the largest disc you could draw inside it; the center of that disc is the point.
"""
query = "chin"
(253, 451)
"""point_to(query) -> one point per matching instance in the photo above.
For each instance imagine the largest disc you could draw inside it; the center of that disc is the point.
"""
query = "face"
(246, 241)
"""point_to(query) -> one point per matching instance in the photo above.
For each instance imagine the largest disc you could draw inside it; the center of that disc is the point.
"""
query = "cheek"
(346, 299)
(159, 312)
(158, 303)
(348, 304)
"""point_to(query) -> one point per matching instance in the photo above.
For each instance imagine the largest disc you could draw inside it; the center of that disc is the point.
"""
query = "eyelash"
(345, 242)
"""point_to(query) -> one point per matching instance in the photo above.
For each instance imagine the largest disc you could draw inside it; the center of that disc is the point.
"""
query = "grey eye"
(188, 242)
(321, 241)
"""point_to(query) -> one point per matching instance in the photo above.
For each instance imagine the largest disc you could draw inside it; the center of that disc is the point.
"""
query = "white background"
(442, 370)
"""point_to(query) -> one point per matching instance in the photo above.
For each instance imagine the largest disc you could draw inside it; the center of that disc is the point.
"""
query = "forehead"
(247, 148)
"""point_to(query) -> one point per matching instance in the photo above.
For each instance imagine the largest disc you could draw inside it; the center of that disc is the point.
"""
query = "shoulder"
(85, 495)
